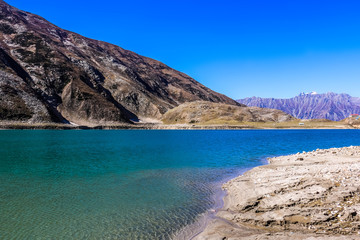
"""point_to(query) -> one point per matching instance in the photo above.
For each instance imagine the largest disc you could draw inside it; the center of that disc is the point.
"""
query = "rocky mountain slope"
(50, 74)
(330, 106)
(217, 113)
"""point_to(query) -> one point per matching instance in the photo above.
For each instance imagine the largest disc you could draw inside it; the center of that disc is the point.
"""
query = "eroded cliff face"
(57, 75)
(330, 106)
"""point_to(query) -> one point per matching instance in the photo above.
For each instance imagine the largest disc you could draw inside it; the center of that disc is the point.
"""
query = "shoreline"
(191, 231)
(309, 195)
(157, 126)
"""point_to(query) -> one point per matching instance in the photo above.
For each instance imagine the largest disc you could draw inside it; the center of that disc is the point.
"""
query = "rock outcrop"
(50, 74)
(330, 106)
(353, 121)
(203, 112)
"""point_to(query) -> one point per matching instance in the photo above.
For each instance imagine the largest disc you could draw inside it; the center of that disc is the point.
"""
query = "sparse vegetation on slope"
(202, 112)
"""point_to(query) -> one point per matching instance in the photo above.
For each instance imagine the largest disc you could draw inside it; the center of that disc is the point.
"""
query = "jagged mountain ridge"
(330, 105)
(50, 74)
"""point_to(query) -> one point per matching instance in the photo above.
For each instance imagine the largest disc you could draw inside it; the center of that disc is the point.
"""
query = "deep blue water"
(129, 184)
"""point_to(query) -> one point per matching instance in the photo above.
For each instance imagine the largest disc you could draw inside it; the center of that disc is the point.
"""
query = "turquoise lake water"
(129, 184)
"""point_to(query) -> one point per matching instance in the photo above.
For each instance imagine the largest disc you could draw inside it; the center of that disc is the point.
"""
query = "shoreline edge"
(308, 195)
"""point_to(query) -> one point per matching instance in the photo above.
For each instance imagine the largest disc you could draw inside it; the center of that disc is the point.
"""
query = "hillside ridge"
(48, 74)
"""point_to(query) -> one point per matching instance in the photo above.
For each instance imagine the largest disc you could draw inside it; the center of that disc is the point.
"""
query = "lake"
(130, 184)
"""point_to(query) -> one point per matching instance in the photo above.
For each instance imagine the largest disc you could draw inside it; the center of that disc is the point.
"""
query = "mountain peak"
(309, 93)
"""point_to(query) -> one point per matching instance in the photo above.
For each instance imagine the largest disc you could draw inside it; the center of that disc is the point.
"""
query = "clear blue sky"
(239, 48)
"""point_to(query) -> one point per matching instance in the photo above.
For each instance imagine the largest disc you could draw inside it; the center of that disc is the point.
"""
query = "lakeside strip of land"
(244, 125)
(309, 195)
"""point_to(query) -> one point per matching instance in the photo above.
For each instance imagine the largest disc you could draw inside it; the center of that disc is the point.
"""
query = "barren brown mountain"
(203, 112)
(50, 74)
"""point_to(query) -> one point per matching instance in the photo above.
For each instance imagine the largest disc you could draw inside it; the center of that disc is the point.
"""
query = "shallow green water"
(129, 184)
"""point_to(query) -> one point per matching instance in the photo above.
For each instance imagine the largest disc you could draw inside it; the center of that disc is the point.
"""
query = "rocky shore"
(309, 195)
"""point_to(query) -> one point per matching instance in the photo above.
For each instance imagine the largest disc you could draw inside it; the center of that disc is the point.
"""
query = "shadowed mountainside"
(48, 74)
(330, 106)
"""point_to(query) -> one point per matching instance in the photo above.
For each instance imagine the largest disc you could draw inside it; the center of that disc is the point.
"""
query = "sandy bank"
(313, 195)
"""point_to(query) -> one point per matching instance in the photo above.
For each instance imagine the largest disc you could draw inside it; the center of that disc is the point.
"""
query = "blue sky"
(239, 48)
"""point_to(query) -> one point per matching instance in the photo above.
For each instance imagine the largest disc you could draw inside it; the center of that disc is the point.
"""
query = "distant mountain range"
(312, 105)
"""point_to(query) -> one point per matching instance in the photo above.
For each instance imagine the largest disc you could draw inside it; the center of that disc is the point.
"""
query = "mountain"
(48, 74)
(218, 113)
(330, 106)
